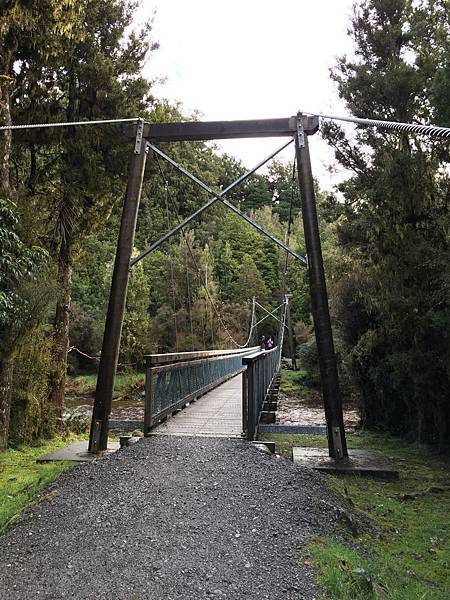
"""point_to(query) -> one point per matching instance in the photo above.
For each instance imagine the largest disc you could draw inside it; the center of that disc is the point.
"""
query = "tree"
(97, 75)
(284, 188)
(249, 281)
(27, 29)
(17, 264)
(394, 218)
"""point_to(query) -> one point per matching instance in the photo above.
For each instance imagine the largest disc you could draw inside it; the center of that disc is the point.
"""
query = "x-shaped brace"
(216, 198)
(271, 314)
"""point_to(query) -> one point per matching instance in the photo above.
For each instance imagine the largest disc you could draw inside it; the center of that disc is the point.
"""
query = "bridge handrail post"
(255, 388)
(251, 383)
(245, 400)
(148, 417)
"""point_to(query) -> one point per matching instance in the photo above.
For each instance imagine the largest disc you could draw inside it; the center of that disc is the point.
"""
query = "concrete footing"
(359, 462)
(269, 445)
(77, 452)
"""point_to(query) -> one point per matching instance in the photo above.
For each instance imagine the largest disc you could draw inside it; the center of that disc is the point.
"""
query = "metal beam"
(224, 130)
(270, 314)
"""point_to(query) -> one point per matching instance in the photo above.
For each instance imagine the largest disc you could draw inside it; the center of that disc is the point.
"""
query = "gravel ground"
(171, 518)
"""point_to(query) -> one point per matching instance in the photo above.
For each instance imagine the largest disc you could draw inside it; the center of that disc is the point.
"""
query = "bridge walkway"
(216, 414)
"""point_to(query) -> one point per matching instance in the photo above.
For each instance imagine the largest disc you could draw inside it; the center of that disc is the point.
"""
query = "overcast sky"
(247, 59)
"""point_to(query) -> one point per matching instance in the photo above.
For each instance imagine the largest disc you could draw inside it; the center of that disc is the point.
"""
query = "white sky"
(249, 59)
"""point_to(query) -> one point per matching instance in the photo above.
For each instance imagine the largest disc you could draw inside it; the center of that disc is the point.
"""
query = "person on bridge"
(263, 343)
(269, 344)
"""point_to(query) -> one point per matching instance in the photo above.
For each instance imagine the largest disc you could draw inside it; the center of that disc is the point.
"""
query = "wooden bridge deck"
(216, 414)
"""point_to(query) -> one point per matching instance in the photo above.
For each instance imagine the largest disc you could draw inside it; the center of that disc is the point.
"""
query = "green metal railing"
(173, 380)
(261, 370)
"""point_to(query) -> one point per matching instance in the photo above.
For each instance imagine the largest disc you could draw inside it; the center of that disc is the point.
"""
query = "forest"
(384, 228)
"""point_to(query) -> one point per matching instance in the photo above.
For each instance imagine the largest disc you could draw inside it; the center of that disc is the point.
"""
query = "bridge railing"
(261, 370)
(173, 380)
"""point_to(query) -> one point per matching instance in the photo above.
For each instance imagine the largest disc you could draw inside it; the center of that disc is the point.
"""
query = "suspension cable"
(200, 274)
(431, 130)
(188, 282)
(67, 124)
(166, 192)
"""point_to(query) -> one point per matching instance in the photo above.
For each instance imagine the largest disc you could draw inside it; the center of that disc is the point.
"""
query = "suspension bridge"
(171, 382)
(174, 381)
(228, 392)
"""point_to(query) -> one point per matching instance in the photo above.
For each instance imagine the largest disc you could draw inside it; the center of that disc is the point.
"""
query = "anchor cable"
(431, 130)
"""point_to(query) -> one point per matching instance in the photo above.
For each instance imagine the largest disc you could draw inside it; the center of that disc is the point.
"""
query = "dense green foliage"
(82, 62)
(393, 299)
(384, 233)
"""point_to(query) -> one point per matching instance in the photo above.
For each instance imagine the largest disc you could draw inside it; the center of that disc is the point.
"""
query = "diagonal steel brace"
(271, 314)
(216, 198)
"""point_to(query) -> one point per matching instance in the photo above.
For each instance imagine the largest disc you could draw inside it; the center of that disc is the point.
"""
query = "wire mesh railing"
(173, 380)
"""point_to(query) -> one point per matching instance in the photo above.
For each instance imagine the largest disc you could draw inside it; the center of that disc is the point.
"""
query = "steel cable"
(431, 130)
(67, 124)
(200, 274)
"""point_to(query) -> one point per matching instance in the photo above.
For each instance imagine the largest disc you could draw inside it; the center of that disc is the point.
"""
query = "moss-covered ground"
(405, 553)
(22, 478)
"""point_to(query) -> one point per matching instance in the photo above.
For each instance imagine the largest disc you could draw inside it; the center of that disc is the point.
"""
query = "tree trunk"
(6, 363)
(6, 375)
(61, 333)
(5, 149)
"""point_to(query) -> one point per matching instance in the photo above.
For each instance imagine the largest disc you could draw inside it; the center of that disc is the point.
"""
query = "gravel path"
(171, 518)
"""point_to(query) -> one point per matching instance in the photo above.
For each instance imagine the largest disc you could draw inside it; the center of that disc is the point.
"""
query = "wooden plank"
(188, 363)
(293, 429)
(125, 424)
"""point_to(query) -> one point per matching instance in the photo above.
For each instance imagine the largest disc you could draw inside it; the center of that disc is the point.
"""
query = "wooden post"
(337, 445)
(98, 439)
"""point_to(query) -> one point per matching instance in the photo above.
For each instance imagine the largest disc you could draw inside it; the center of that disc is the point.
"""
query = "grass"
(291, 381)
(22, 478)
(85, 384)
(407, 554)
(296, 386)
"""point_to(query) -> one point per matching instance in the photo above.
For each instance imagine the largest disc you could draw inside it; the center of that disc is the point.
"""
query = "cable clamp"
(300, 134)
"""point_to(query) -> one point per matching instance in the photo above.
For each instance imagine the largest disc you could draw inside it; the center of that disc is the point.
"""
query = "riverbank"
(404, 553)
(300, 403)
(128, 397)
